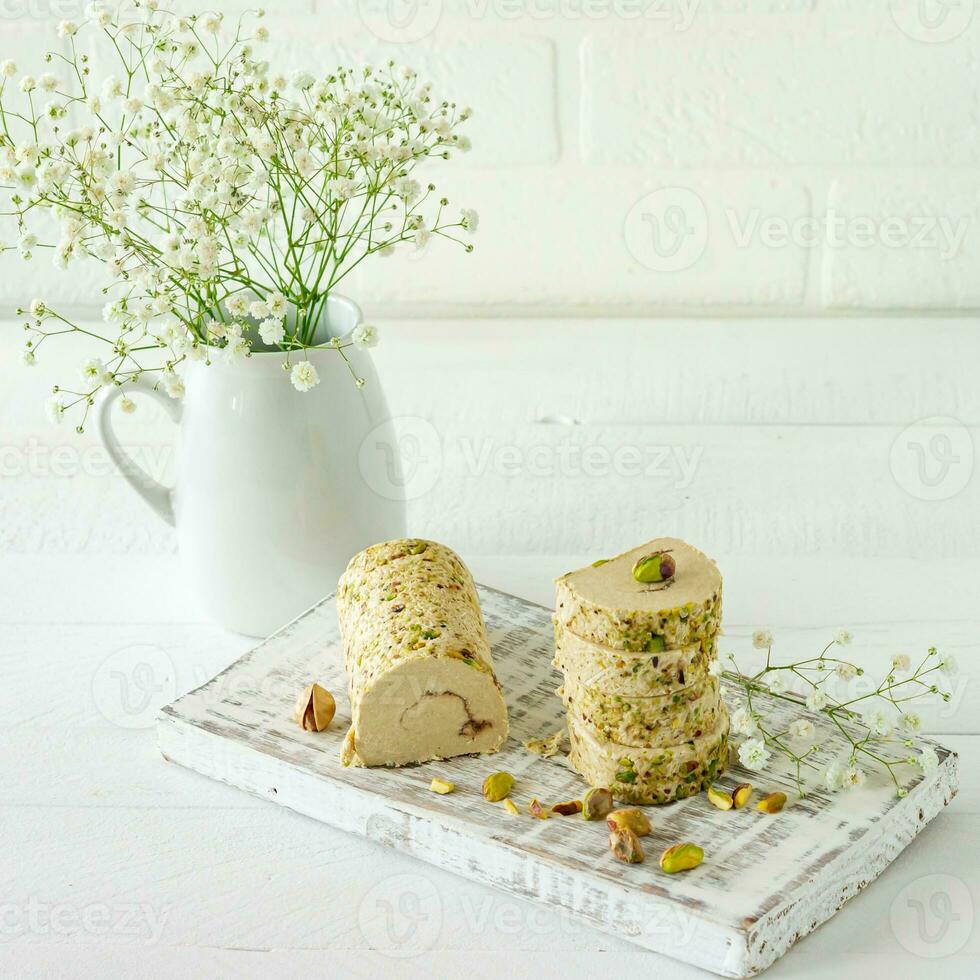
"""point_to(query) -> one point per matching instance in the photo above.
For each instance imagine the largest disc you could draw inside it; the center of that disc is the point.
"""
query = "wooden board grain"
(765, 882)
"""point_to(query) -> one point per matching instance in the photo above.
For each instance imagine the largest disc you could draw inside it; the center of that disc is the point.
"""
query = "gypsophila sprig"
(224, 201)
(873, 722)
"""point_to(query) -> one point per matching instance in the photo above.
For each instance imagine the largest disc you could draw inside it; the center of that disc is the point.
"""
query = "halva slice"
(636, 674)
(604, 603)
(646, 721)
(658, 774)
(421, 676)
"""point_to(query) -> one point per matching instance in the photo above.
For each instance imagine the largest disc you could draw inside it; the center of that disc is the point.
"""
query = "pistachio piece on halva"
(497, 786)
(315, 708)
(681, 857)
(741, 795)
(597, 803)
(567, 808)
(625, 845)
(720, 798)
(441, 786)
(631, 819)
(659, 566)
(771, 803)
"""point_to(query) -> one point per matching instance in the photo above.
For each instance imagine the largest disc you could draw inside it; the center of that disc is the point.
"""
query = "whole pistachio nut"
(597, 803)
(681, 857)
(659, 566)
(772, 803)
(497, 786)
(315, 708)
(741, 795)
(720, 798)
(567, 808)
(625, 845)
(631, 819)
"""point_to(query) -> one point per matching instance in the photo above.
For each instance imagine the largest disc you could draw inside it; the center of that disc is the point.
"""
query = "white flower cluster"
(224, 201)
(873, 722)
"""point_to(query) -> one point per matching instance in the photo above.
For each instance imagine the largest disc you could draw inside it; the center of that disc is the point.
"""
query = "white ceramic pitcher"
(269, 502)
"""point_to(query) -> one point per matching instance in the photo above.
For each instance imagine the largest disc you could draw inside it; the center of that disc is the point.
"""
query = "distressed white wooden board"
(765, 883)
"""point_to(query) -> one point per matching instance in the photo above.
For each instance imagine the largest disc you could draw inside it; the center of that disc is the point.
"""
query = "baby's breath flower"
(470, 220)
(28, 358)
(879, 723)
(754, 755)
(778, 683)
(716, 668)
(833, 778)
(901, 663)
(846, 671)
(949, 666)
(8, 68)
(743, 723)
(843, 637)
(762, 639)
(911, 721)
(365, 336)
(55, 407)
(38, 308)
(127, 405)
(802, 730)
(94, 372)
(67, 28)
(304, 376)
(272, 331)
(173, 385)
(816, 700)
(852, 778)
(27, 83)
(928, 759)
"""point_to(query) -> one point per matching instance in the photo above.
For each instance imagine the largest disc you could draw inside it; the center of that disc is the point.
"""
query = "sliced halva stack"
(645, 715)
(420, 673)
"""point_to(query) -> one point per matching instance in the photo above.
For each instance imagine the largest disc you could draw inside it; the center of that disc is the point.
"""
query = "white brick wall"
(662, 156)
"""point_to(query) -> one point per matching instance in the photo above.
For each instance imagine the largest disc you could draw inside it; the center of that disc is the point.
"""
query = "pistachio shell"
(625, 845)
(632, 819)
(597, 803)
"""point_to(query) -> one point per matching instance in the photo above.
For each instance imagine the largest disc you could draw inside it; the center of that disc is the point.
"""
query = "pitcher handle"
(158, 496)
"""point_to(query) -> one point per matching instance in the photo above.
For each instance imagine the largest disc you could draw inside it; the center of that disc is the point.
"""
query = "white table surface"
(116, 863)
